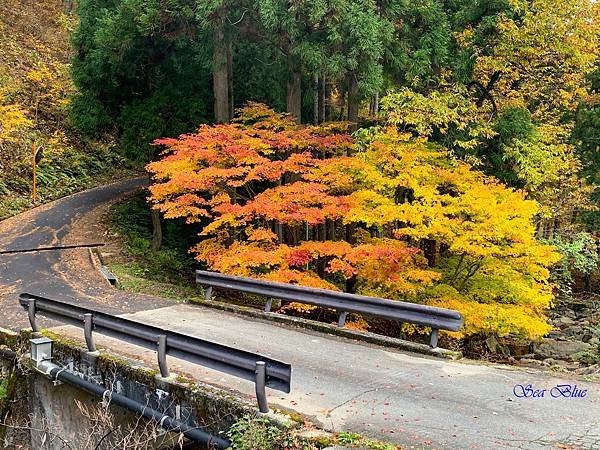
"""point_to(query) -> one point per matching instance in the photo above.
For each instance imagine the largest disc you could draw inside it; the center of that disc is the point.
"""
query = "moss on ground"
(131, 279)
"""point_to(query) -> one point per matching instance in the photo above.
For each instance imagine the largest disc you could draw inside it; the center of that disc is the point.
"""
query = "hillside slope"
(35, 88)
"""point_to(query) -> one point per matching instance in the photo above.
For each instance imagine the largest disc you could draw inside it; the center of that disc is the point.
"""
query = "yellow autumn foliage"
(543, 55)
(493, 269)
(12, 120)
(398, 218)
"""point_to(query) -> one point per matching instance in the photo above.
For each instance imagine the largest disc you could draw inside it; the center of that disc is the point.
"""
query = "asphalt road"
(412, 400)
(56, 274)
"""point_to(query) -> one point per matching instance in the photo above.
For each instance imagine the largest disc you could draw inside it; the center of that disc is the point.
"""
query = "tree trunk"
(220, 70)
(330, 229)
(230, 79)
(431, 250)
(350, 229)
(316, 98)
(156, 230)
(378, 9)
(376, 104)
(68, 7)
(294, 95)
(353, 99)
(322, 111)
(341, 115)
(351, 285)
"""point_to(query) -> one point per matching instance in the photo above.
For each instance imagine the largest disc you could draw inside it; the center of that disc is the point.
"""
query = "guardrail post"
(269, 305)
(31, 315)
(342, 318)
(88, 325)
(208, 293)
(260, 382)
(162, 356)
(433, 340)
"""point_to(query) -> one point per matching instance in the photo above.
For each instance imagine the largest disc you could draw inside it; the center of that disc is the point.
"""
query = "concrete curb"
(363, 336)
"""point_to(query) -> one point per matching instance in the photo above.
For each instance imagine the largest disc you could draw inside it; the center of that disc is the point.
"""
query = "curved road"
(412, 400)
(54, 273)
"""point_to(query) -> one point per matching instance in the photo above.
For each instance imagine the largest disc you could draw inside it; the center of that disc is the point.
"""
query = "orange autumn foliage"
(397, 218)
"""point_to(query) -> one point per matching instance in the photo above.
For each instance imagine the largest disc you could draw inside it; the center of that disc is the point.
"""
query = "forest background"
(443, 152)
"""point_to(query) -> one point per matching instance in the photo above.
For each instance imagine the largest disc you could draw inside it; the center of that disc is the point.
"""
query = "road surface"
(64, 274)
(416, 401)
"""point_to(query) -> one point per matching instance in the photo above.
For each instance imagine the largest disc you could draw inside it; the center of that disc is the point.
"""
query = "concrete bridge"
(417, 401)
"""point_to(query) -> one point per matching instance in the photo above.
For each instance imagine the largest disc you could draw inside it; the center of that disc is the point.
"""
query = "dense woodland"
(442, 152)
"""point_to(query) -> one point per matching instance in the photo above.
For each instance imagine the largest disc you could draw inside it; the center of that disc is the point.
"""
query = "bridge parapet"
(58, 408)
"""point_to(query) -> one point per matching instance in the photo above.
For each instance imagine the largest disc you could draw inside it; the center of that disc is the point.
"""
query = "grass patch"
(132, 278)
(356, 440)
(258, 433)
(255, 433)
(168, 272)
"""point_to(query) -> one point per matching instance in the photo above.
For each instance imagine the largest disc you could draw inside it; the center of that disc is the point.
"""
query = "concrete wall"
(63, 413)
(59, 414)
(51, 415)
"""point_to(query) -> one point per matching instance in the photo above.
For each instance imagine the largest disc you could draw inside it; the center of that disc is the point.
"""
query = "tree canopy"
(394, 217)
(429, 150)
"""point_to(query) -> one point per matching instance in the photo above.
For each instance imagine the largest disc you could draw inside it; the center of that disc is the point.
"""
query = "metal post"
(208, 293)
(268, 305)
(34, 187)
(261, 379)
(434, 338)
(342, 318)
(31, 313)
(88, 325)
(162, 356)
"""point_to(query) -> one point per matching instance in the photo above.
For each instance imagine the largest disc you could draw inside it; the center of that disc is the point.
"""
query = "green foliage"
(259, 433)
(135, 277)
(254, 433)
(514, 123)
(447, 116)
(346, 438)
(172, 263)
(592, 355)
(421, 42)
(356, 440)
(586, 137)
(579, 256)
(3, 388)
(142, 69)
(264, 74)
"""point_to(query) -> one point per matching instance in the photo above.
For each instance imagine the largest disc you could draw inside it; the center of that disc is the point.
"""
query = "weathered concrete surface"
(52, 416)
(55, 415)
(385, 394)
(64, 416)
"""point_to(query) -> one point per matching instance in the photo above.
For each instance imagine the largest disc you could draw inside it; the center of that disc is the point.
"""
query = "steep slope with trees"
(35, 91)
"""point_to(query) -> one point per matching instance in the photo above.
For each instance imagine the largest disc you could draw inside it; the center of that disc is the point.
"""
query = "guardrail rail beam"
(263, 371)
(344, 303)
